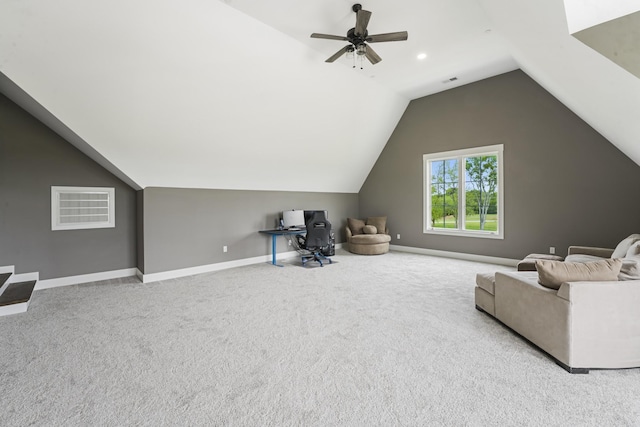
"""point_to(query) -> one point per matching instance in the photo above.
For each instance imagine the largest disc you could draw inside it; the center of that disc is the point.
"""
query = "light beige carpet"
(383, 340)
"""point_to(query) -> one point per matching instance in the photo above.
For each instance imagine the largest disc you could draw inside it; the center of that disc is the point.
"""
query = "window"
(82, 207)
(463, 193)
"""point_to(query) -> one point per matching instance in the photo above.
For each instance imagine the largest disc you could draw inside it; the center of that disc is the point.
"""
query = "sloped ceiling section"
(197, 94)
(602, 93)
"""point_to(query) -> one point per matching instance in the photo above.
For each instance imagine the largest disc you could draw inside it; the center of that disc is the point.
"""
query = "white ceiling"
(457, 37)
(234, 94)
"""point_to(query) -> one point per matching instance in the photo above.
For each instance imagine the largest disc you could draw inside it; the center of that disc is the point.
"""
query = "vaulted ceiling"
(234, 94)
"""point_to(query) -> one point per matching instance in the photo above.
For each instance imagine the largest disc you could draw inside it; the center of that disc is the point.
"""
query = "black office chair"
(317, 240)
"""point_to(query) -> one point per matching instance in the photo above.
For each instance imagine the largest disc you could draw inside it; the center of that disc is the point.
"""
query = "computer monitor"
(309, 214)
(293, 218)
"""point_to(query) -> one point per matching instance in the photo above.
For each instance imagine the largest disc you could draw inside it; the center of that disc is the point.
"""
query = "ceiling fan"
(358, 37)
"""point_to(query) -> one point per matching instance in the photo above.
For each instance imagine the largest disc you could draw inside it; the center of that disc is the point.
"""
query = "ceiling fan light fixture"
(350, 51)
(362, 49)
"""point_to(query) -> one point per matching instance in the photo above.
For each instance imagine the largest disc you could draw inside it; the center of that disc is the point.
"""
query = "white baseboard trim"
(84, 278)
(457, 255)
(14, 308)
(145, 278)
(190, 271)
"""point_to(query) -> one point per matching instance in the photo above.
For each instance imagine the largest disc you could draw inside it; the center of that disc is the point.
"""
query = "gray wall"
(564, 183)
(32, 159)
(188, 227)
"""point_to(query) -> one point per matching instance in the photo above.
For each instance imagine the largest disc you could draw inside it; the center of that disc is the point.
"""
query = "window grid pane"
(481, 193)
(444, 194)
(463, 192)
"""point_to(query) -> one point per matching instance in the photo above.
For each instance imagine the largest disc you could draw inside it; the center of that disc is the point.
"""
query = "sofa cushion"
(379, 222)
(369, 229)
(583, 258)
(355, 225)
(369, 239)
(621, 250)
(552, 274)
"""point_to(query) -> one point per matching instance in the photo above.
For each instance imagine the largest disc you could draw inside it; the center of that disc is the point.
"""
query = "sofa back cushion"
(355, 225)
(379, 222)
(552, 274)
(623, 247)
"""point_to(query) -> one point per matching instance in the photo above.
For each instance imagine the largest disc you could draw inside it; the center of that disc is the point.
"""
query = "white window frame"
(491, 150)
(56, 209)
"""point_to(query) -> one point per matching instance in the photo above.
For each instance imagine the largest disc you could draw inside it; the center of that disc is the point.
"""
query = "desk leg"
(273, 250)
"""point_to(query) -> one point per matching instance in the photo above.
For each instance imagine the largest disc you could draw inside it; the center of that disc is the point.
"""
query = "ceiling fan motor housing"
(357, 40)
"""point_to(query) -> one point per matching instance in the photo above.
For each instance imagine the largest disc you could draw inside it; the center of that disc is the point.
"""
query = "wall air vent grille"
(82, 207)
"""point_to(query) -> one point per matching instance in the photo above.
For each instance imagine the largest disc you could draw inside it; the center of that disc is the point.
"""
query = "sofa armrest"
(534, 311)
(604, 323)
(588, 250)
(348, 233)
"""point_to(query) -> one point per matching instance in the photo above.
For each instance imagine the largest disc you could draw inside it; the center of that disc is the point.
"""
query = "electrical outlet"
(224, 249)
(552, 250)
(289, 242)
(398, 236)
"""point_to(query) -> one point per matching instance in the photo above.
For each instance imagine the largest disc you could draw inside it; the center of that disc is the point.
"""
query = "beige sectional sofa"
(584, 324)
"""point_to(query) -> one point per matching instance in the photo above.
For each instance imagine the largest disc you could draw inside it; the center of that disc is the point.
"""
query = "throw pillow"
(379, 222)
(552, 274)
(633, 250)
(621, 250)
(630, 269)
(355, 225)
(369, 229)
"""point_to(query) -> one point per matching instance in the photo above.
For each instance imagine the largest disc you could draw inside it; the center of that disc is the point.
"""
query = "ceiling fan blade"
(328, 36)
(362, 20)
(388, 37)
(339, 53)
(372, 56)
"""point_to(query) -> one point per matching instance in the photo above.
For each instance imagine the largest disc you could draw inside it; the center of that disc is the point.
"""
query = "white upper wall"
(168, 93)
(603, 94)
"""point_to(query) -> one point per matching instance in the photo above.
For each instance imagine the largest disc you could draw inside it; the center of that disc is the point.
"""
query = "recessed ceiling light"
(422, 56)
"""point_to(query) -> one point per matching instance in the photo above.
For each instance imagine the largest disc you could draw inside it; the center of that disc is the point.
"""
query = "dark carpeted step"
(17, 293)
(3, 278)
